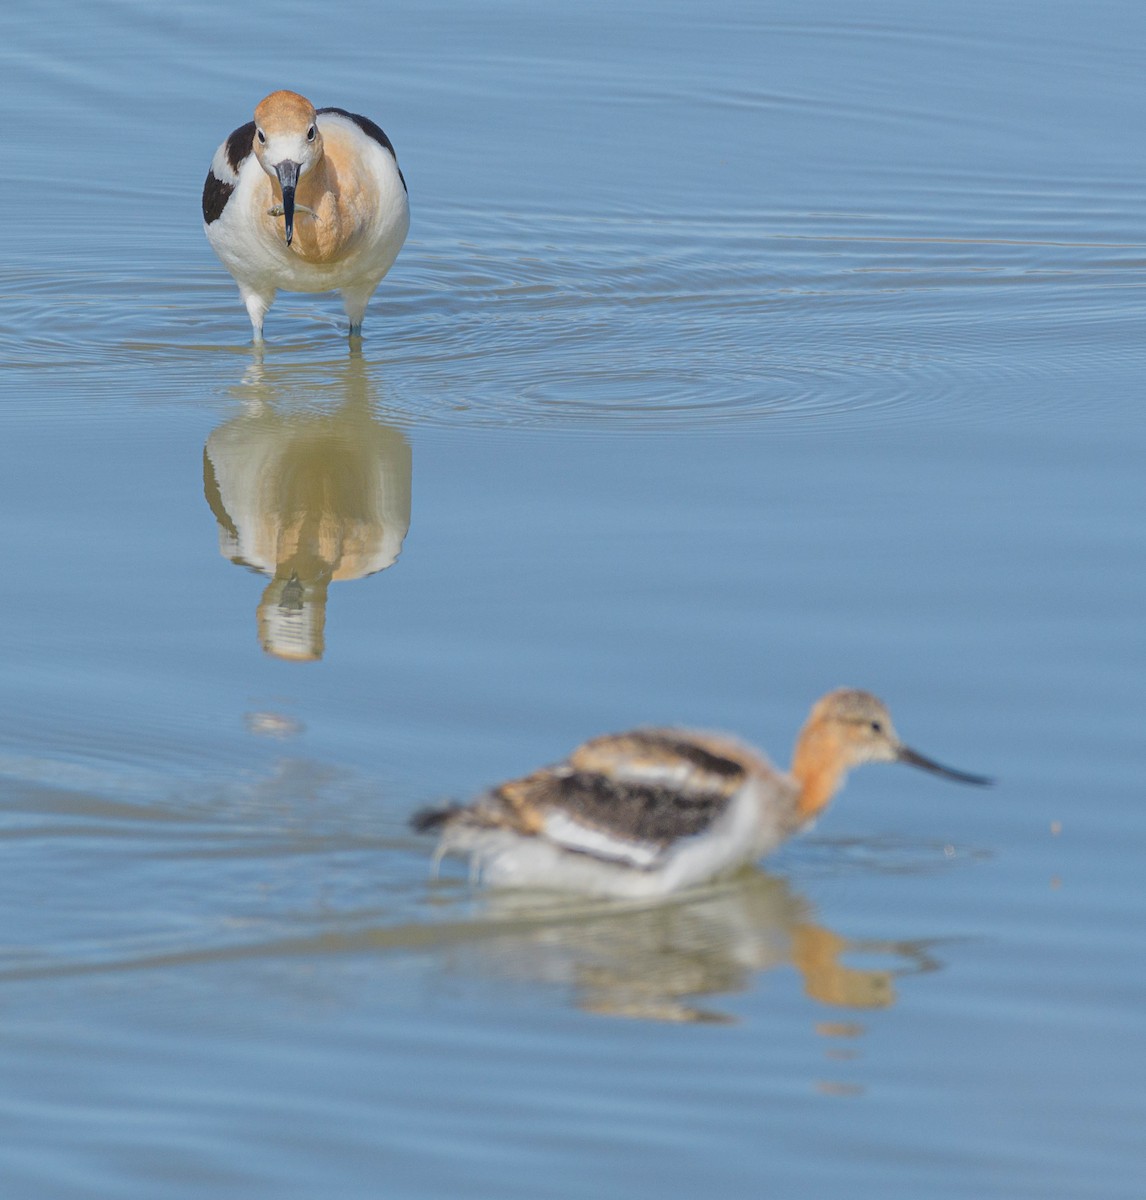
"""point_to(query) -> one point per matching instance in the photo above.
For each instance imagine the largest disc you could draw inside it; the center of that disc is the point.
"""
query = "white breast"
(254, 249)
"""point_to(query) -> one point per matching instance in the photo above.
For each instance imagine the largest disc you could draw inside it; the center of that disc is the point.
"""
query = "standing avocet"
(654, 810)
(336, 174)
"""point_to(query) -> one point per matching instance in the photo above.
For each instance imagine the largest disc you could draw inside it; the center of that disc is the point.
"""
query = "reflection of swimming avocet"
(663, 961)
(307, 497)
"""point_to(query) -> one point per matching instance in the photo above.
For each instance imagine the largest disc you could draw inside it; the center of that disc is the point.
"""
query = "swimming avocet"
(654, 810)
(336, 174)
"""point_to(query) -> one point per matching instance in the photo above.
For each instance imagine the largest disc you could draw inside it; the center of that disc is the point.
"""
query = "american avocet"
(654, 810)
(334, 170)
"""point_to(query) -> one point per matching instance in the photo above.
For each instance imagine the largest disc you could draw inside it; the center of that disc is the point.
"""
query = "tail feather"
(431, 818)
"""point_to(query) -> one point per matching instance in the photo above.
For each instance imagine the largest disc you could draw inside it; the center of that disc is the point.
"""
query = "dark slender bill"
(287, 172)
(907, 755)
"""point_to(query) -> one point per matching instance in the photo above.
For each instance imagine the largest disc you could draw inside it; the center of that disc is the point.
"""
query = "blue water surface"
(737, 352)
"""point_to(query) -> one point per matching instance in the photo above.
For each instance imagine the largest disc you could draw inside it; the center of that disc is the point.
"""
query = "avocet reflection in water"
(307, 497)
(671, 961)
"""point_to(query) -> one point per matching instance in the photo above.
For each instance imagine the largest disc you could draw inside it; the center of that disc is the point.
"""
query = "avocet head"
(858, 728)
(287, 144)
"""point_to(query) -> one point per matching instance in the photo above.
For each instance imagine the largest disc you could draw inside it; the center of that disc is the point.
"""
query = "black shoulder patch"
(216, 193)
(214, 496)
(365, 124)
(239, 145)
(369, 128)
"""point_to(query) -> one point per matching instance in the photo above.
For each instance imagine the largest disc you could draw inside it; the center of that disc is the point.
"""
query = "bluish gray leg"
(257, 304)
(354, 300)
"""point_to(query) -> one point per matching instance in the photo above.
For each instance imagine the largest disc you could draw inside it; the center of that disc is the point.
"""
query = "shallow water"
(735, 354)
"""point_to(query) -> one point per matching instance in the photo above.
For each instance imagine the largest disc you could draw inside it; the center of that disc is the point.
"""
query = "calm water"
(738, 351)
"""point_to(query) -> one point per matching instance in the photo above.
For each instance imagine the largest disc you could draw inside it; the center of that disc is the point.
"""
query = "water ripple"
(543, 319)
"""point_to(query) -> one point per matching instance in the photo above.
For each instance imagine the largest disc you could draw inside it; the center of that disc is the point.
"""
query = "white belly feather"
(252, 246)
(749, 827)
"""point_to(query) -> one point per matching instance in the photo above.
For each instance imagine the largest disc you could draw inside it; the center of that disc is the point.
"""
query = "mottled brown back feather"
(700, 757)
(643, 812)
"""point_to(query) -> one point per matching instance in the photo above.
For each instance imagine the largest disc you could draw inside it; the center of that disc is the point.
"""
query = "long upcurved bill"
(287, 172)
(909, 756)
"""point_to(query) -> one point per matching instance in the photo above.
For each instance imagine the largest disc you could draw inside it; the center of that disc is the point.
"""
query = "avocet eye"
(261, 136)
(310, 134)
(877, 727)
